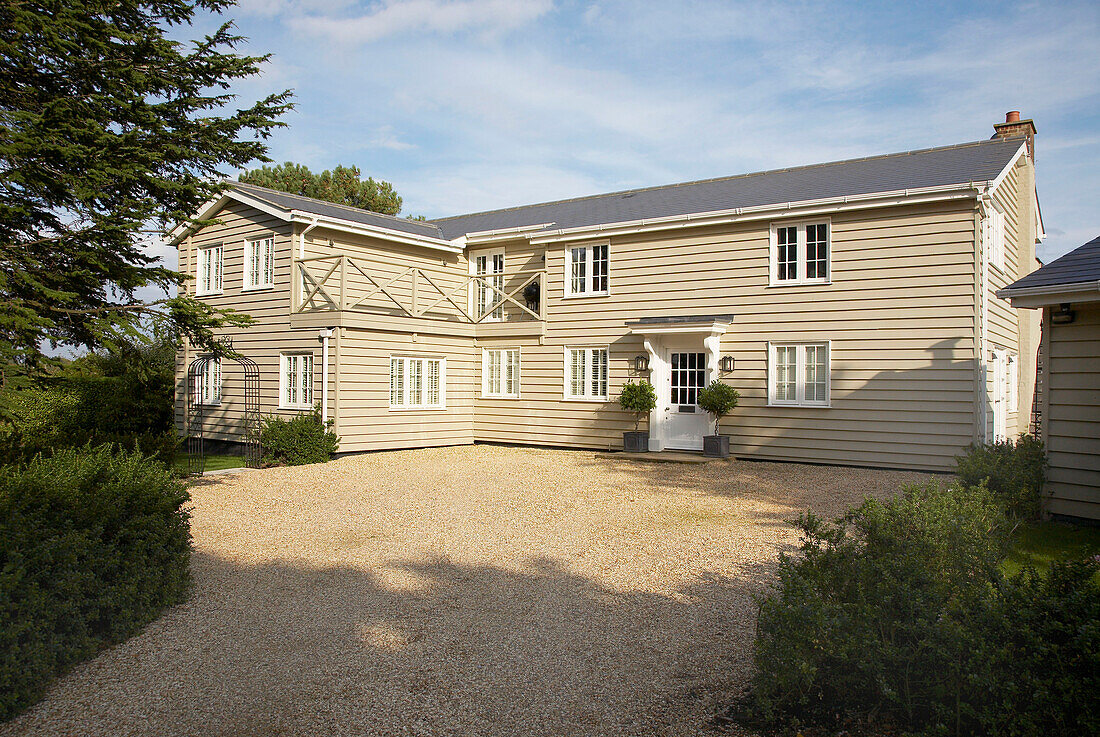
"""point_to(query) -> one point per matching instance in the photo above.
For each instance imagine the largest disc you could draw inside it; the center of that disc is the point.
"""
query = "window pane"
(269, 261)
(217, 268)
(786, 256)
(576, 373)
(817, 251)
(397, 381)
(599, 372)
(511, 375)
(786, 367)
(576, 281)
(493, 383)
(816, 377)
(307, 380)
(599, 268)
(416, 381)
(433, 367)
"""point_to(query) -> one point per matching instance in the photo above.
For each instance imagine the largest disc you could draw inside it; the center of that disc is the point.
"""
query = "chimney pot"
(1012, 116)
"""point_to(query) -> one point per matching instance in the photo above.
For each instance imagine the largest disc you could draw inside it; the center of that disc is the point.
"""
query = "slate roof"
(960, 164)
(1079, 266)
(286, 201)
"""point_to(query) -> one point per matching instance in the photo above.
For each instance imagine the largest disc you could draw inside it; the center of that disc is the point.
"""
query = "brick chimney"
(1013, 127)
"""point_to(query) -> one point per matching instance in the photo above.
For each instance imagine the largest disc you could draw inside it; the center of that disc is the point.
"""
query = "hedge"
(94, 544)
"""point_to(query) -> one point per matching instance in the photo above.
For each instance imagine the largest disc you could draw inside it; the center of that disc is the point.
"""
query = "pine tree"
(111, 130)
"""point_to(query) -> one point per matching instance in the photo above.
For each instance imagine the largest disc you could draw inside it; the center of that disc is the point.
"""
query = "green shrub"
(639, 399)
(878, 614)
(300, 440)
(1049, 665)
(1013, 471)
(719, 400)
(125, 398)
(94, 544)
(898, 618)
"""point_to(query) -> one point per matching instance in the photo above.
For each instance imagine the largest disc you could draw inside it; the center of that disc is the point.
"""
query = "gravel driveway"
(476, 590)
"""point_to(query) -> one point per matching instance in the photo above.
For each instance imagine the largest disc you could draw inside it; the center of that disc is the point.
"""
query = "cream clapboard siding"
(364, 419)
(899, 313)
(271, 332)
(1009, 328)
(1071, 427)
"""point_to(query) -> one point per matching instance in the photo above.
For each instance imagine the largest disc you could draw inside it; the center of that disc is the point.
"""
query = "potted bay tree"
(638, 399)
(719, 400)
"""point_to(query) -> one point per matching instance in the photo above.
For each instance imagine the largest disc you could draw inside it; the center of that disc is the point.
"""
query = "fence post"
(415, 290)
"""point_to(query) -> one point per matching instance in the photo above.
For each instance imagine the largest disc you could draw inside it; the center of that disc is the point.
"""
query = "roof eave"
(939, 193)
(349, 226)
(1052, 294)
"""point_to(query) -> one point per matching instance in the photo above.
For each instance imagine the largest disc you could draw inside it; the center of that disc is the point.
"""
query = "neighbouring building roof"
(287, 201)
(1079, 266)
(961, 164)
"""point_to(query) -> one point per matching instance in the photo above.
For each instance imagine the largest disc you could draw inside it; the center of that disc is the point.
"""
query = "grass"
(213, 462)
(1042, 543)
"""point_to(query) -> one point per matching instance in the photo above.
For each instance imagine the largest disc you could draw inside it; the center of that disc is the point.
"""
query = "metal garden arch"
(196, 448)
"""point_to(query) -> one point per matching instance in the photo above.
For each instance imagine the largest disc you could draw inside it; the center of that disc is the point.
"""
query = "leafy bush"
(639, 399)
(94, 544)
(875, 616)
(1013, 471)
(719, 399)
(898, 617)
(124, 398)
(1049, 666)
(300, 440)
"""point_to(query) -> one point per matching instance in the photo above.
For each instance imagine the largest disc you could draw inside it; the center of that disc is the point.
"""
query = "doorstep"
(670, 456)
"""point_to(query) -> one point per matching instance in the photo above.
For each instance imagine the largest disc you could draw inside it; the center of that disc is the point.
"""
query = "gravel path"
(476, 590)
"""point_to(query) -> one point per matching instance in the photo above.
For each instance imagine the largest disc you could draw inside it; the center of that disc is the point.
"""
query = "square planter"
(636, 442)
(716, 446)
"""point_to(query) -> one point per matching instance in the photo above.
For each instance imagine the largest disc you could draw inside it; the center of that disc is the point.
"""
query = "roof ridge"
(765, 172)
(352, 208)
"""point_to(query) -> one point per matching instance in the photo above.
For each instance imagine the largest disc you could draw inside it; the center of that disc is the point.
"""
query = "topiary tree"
(639, 399)
(719, 400)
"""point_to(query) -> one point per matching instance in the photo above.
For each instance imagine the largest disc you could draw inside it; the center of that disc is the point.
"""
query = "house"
(851, 303)
(1067, 290)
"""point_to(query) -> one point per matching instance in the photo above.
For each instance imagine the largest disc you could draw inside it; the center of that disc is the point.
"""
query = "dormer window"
(800, 253)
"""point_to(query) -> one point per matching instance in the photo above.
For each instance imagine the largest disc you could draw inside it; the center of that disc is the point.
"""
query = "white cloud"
(392, 17)
(385, 137)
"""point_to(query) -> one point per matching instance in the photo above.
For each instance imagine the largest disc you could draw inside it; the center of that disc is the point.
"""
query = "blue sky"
(468, 105)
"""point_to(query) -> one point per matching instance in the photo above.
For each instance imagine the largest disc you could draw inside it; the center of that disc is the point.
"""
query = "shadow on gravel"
(419, 648)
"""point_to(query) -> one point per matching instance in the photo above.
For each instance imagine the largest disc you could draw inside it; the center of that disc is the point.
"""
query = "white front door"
(685, 422)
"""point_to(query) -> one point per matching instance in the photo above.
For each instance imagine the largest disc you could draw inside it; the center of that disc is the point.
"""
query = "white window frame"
(1012, 369)
(994, 232)
(259, 249)
(589, 266)
(567, 383)
(300, 402)
(202, 262)
(421, 363)
(209, 389)
(508, 357)
(800, 373)
(496, 278)
(800, 264)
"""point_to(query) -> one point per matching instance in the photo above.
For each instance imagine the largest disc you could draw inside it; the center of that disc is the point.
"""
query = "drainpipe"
(323, 336)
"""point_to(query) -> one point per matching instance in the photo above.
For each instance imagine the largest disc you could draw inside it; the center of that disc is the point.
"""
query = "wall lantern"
(725, 364)
(641, 364)
(1063, 315)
